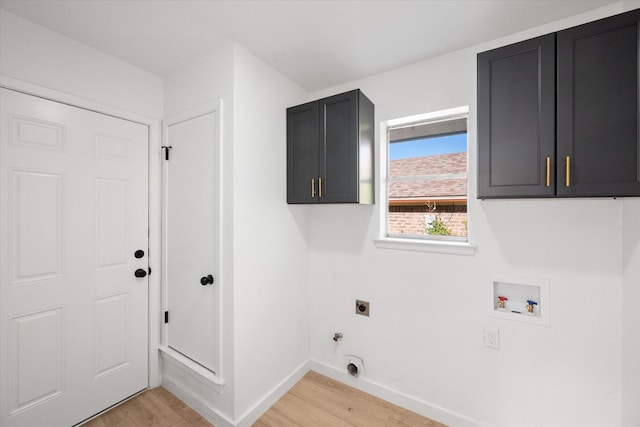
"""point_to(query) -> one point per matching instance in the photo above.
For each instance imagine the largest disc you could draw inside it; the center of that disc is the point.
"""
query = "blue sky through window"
(428, 146)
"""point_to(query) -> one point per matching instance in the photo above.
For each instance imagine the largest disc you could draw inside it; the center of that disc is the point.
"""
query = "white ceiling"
(318, 44)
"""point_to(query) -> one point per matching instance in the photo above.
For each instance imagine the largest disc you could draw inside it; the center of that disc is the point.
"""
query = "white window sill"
(421, 245)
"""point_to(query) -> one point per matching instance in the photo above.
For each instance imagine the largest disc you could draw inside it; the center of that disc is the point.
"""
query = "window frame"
(457, 246)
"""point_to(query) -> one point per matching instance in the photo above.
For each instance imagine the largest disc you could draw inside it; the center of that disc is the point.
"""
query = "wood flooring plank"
(411, 419)
(304, 414)
(179, 407)
(273, 418)
(102, 423)
(148, 410)
(381, 408)
(395, 423)
(202, 422)
(413, 422)
(375, 407)
(156, 407)
(113, 417)
(96, 422)
(333, 402)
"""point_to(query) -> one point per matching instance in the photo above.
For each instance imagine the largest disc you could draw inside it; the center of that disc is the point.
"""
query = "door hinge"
(166, 317)
(166, 151)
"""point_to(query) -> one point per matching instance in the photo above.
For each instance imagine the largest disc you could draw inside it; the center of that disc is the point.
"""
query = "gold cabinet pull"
(548, 171)
(320, 187)
(313, 187)
(567, 169)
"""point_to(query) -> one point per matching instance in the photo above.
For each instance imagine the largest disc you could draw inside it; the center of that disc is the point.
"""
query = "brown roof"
(441, 177)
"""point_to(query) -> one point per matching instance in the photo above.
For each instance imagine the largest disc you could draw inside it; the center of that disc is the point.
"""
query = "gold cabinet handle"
(320, 187)
(567, 170)
(548, 171)
(313, 187)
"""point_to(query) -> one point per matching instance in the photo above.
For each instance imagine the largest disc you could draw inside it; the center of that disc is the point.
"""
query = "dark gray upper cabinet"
(516, 120)
(598, 108)
(566, 103)
(302, 152)
(330, 150)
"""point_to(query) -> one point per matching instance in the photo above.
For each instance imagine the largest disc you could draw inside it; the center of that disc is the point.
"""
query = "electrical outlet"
(492, 337)
(362, 308)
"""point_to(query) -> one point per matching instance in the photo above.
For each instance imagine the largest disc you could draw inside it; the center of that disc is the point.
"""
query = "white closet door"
(191, 239)
(73, 212)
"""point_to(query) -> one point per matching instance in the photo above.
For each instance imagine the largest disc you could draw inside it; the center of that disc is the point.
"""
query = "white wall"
(200, 82)
(424, 338)
(34, 54)
(631, 314)
(270, 250)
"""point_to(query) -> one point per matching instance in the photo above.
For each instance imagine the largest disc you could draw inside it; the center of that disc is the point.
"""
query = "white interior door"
(73, 211)
(191, 239)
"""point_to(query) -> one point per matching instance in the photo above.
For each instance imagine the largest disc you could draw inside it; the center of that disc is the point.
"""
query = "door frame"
(154, 199)
(192, 113)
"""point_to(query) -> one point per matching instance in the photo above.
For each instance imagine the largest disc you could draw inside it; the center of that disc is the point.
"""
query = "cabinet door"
(516, 120)
(338, 152)
(598, 108)
(302, 153)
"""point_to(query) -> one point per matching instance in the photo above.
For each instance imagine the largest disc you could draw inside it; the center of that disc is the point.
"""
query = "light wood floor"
(315, 401)
(156, 407)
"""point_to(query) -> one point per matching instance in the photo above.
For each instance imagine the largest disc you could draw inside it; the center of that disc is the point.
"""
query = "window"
(424, 177)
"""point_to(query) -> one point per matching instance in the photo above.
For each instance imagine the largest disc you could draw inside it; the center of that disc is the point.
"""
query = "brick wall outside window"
(412, 219)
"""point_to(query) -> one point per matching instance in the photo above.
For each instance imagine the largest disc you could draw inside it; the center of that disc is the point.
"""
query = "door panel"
(598, 99)
(338, 148)
(111, 326)
(110, 222)
(37, 220)
(302, 153)
(516, 120)
(41, 330)
(191, 234)
(73, 210)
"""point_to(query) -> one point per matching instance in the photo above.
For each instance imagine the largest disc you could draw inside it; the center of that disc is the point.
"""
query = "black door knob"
(140, 273)
(139, 253)
(208, 280)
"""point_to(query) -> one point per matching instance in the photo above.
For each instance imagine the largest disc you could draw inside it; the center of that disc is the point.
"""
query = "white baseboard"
(418, 406)
(203, 395)
(252, 415)
(197, 404)
(196, 387)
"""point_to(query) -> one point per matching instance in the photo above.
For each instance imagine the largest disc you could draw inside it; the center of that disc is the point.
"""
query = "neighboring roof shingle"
(437, 176)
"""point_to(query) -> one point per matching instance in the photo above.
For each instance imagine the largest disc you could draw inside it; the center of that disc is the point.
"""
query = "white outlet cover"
(492, 337)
